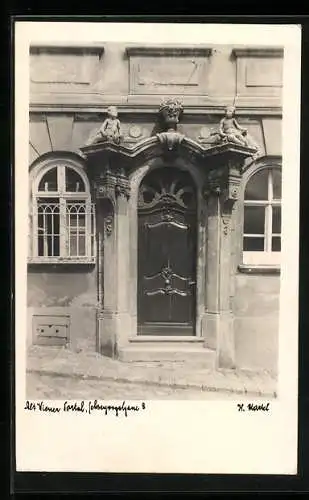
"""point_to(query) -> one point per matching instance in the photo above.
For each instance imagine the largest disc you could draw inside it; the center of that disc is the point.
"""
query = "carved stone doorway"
(167, 242)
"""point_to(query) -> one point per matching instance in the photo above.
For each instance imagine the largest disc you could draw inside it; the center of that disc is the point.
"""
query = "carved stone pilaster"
(224, 183)
(122, 187)
(221, 191)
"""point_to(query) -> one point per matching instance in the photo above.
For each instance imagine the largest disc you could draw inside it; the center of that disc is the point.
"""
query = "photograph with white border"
(156, 228)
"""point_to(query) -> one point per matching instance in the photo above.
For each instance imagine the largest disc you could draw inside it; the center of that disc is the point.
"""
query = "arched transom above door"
(169, 186)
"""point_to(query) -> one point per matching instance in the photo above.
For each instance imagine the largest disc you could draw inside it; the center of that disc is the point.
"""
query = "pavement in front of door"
(56, 362)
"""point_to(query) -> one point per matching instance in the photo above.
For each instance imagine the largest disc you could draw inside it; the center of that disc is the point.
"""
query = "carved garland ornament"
(226, 220)
(108, 224)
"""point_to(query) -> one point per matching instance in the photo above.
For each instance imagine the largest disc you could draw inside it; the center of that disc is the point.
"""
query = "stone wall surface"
(256, 307)
(126, 73)
(66, 287)
(65, 293)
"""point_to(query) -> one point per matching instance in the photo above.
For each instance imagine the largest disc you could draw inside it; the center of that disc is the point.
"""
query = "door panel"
(166, 254)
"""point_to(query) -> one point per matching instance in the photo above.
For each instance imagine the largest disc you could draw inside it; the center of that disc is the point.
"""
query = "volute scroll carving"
(224, 182)
(111, 184)
(104, 185)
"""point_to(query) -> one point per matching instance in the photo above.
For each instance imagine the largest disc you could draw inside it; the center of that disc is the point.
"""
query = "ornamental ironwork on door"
(167, 253)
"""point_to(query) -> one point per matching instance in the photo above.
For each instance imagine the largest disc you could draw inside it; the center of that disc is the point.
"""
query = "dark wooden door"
(167, 254)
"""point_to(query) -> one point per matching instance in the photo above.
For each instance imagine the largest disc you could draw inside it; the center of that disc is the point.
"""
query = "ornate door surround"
(116, 173)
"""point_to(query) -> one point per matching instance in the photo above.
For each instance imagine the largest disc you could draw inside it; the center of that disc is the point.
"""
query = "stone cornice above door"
(148, 104)
(151, 147)
(109, 164)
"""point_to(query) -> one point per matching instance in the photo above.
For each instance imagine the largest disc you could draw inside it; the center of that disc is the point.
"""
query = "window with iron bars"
(63, 218)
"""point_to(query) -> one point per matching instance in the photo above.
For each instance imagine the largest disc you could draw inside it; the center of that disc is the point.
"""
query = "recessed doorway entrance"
(167, 253)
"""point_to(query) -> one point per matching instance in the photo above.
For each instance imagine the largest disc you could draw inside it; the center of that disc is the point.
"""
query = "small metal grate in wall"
(51, 330)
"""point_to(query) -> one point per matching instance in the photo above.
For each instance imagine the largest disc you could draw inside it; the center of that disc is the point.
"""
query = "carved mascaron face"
(171, 110)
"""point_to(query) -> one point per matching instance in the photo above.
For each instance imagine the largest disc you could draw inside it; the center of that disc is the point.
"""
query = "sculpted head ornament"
(171, 110)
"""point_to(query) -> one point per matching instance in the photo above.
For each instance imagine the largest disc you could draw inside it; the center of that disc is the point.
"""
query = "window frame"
(64, 197)
(268, 258)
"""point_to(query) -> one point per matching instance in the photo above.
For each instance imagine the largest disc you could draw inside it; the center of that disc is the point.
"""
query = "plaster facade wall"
(129, 74)
(67, 287)
(70, 90)
(70, 291)
(256, 308)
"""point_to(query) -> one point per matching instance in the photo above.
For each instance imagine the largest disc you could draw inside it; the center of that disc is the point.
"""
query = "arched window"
(262, 217)
(63, 217)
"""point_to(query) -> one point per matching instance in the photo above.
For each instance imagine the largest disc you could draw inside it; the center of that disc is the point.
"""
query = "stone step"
(182, 352)
(166, 339)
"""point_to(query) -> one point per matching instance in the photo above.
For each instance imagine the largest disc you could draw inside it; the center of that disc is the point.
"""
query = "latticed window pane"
(262, 216)
(276, 220)
(253, 244)
(254, 220)
(73, 181)
(48, 228)
(257, 186)
(49, 181)
(276, 244)
(76, 228)
(63, 224)
(93, 229)
(276, 181)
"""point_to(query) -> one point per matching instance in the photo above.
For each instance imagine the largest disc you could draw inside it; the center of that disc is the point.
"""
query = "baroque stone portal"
(192, 293)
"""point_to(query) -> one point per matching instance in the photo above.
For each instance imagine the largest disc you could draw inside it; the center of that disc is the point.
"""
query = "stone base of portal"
(185, 349)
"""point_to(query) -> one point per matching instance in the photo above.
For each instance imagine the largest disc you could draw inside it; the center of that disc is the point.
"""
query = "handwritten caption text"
(87, 407)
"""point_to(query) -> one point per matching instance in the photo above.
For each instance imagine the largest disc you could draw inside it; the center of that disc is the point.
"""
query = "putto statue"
(230, 130)
(110, 129)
